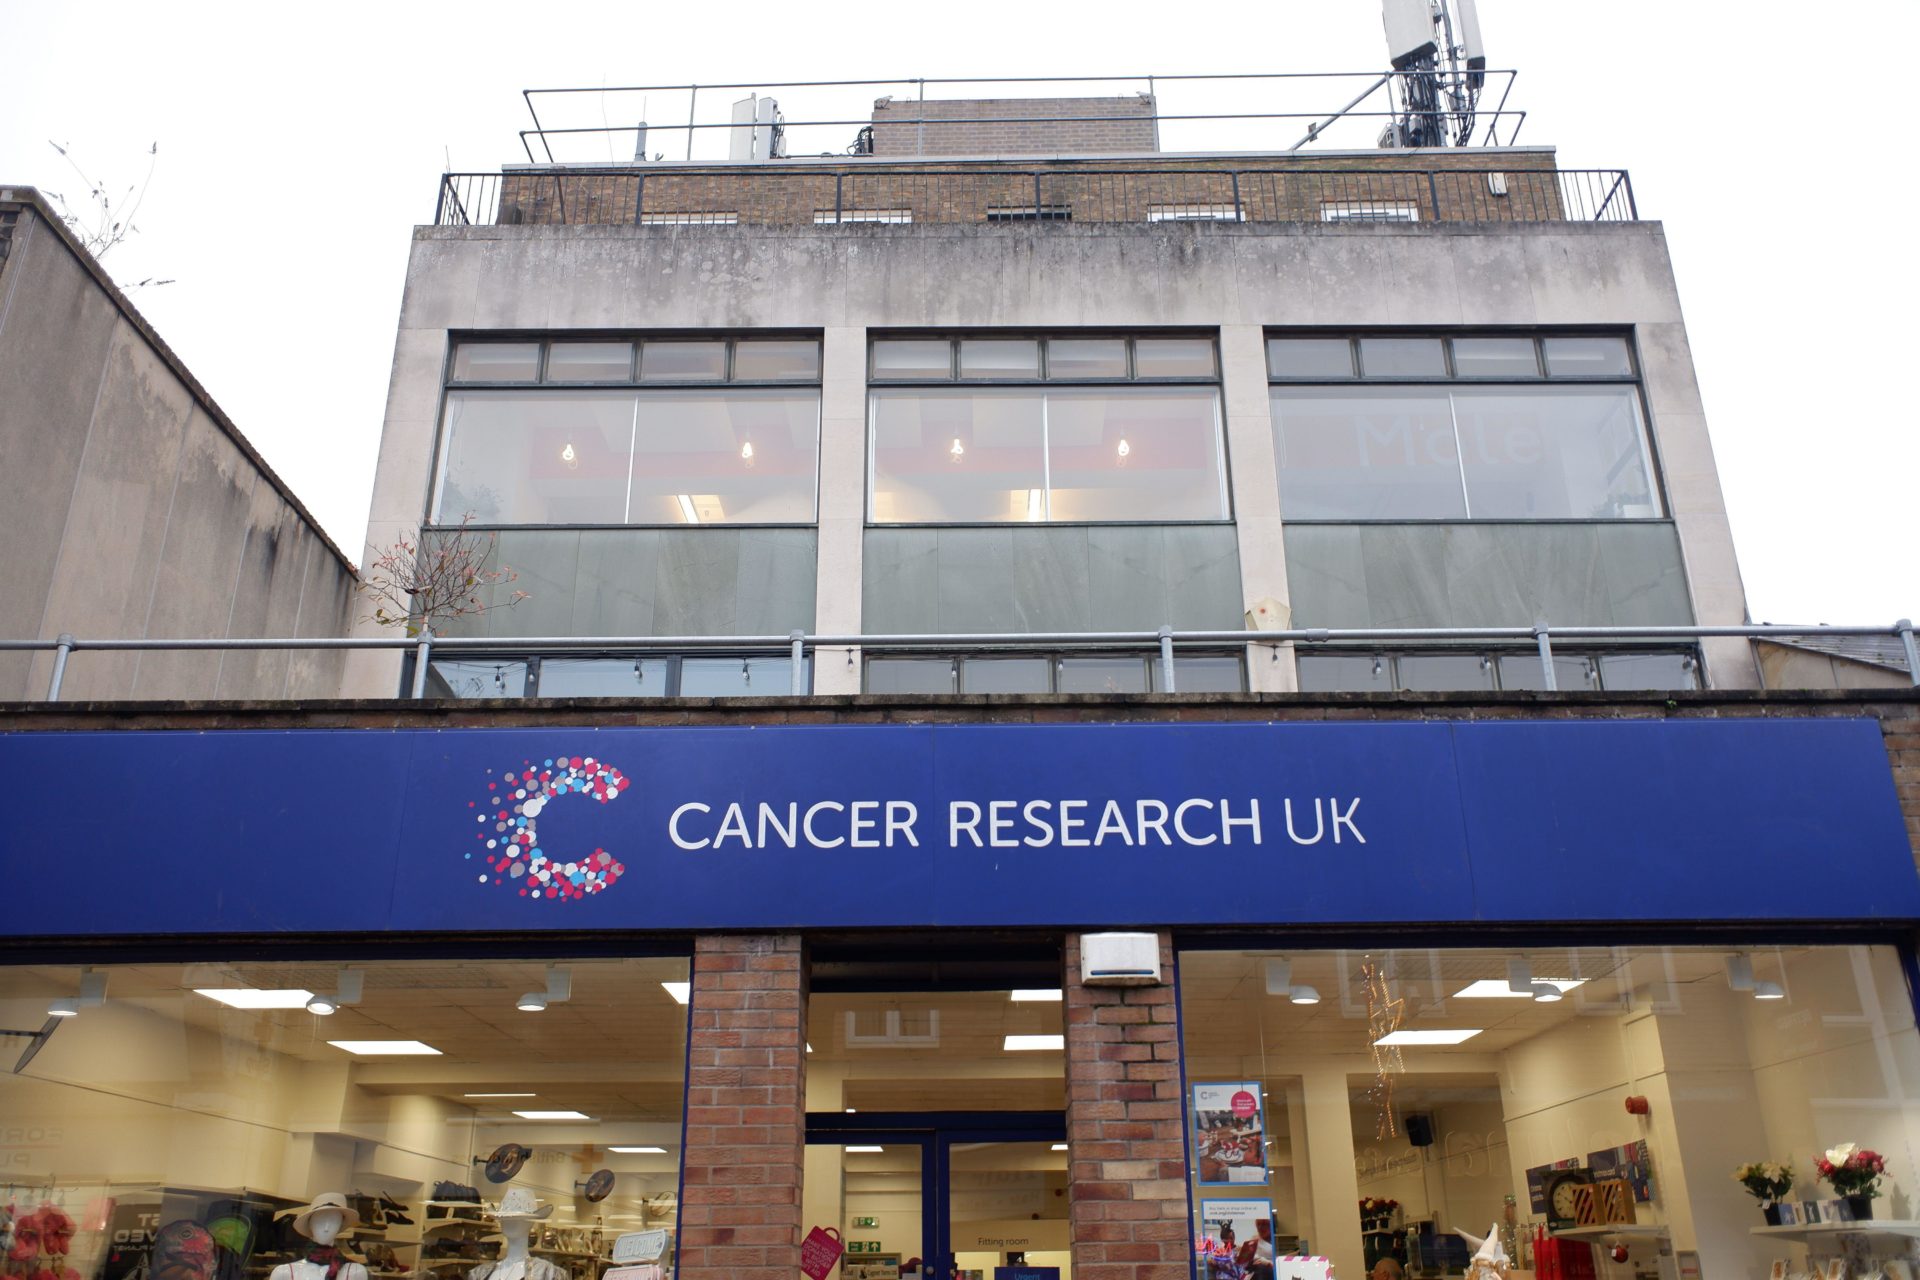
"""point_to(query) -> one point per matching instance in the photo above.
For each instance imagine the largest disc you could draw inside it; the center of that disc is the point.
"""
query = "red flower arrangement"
(1853, 1170)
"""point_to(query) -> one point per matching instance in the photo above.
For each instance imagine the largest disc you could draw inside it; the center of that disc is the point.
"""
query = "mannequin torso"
(515, 1262)
(323, 1228)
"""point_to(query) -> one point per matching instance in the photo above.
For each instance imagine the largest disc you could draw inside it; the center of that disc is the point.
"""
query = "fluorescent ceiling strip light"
(553, 1115)
(680, 991)
(1498, 989)
(686, 507)
(1430, 1037)
(1058, 1146)
(1017, 1043)
(639, 1151)
(255, 998)
(499, 1095)
(384, 1048)
(1038, 994)
(864, 1150)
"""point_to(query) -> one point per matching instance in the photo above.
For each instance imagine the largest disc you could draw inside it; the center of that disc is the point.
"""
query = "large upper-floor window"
(1471, 427)
(659, 431)
(994, 430)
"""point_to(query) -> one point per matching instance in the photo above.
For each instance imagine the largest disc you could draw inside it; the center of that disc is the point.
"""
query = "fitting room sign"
(963, 825)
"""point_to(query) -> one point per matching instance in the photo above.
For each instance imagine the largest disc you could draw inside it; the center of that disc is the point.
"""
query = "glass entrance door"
(939, 1195)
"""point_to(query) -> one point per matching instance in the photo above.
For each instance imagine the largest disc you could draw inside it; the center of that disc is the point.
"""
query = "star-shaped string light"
(1385, 1011)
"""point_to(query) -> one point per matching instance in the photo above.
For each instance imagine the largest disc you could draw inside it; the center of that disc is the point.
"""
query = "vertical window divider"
(1459, 454)
(1046, 460)
(633, 458)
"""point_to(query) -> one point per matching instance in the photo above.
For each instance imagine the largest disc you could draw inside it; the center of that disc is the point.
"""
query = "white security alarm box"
(1119, 959)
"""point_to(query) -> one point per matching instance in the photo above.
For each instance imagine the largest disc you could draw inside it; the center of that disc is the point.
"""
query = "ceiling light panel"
(680, 991)
(553, 1115)
(1016, 1044)
(1498, 989)
(1455, 1036)
(385, 1048)
(257, 997)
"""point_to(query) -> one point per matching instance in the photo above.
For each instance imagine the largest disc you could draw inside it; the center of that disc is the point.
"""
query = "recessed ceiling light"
(1035, 1042)
(639, 1151)
(1054, 994)
(1059, 1146)
(680, 991)
(372, 1048)
(1498, 989)
(864, 1150)
(1454, 1036)
(499, 1095)
(256, 998)
(553, 1115)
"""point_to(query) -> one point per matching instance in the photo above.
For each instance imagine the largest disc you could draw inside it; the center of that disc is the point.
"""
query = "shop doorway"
(936, 1100)
(937, 1195)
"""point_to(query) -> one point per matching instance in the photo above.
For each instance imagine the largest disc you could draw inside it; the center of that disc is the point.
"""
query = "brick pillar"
(746, 1114)
(1127, 1183)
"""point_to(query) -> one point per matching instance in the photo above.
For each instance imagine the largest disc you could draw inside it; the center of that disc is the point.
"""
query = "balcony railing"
(800, 645)
(790, 196)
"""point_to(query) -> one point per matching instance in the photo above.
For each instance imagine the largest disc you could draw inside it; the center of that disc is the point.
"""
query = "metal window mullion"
(633, 459)
(1046, 463)
(1459, 454)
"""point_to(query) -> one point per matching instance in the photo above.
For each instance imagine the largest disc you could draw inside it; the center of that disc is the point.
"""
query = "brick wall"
(746, 1115)
(1014, 126)
(1450, 187)
(1127, 1184)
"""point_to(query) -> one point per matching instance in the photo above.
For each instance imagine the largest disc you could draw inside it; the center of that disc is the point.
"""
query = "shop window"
(568, 445)
(1571, 444)
(1064, 673)
(1139, 440)
(1322, 671)
(184, 1112)
(1556, 1093)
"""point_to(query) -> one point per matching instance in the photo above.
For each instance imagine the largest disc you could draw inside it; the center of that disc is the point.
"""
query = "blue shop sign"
(320, 831)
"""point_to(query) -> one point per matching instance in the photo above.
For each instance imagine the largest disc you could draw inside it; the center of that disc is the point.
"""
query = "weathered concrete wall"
(1786, 667)
(1238, 279)
(134, 508)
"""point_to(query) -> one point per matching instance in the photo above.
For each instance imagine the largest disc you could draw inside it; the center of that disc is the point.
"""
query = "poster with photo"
(1631, 1162)
(1229, 1134)
(1236, 1239)
(1537, 1184)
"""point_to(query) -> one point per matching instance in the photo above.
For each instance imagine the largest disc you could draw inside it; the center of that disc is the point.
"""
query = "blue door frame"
(935, 1133)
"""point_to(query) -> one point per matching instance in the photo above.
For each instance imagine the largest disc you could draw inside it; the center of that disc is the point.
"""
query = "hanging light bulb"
(568, 456)
(958, 451)
(746, 452)
(1124, 450)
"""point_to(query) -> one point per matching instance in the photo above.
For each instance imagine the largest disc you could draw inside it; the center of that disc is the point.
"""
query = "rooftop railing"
(800, 644)
(1104, 193)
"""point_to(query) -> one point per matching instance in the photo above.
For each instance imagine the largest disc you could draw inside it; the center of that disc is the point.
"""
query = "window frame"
(1636, 379)
(1492, 658)
(435, 520)
(505, 656)
(1131, 378)
(1054, 658)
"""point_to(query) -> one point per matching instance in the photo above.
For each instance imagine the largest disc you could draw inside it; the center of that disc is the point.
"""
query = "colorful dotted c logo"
(509, 829)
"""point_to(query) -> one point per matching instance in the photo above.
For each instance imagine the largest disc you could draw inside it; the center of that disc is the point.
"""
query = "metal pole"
(64, 646)
(693, 100)
(1237, 215)
(798, 687)
(1903, 628)
(1546, 655)
(1166, 660)
(838, 180)
(421, 652)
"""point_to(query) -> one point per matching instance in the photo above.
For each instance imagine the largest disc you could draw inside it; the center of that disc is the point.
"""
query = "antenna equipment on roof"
(1435, 49)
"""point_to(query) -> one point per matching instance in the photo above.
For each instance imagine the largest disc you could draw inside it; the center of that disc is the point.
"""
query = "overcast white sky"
(298, 145)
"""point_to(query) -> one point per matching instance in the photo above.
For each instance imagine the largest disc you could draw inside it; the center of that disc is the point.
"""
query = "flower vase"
(1859, 1208)
(1770, 1210)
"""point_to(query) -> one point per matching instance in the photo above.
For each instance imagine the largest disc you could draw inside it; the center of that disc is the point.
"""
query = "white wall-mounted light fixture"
(1280, 983)
(1520, 982)
(1740, 977)
(348, 989)
(559, 991)
(93, 994)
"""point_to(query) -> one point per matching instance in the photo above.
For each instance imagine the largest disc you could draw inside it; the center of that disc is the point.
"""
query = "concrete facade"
(135, 507)
(1237, 281)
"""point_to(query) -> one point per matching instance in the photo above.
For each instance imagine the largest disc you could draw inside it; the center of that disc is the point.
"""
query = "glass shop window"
(660, 450)
(1569, 1099)
(1140, 441)
(1440, 670)
(1061, 673)
(653, 676)
(189, 1121)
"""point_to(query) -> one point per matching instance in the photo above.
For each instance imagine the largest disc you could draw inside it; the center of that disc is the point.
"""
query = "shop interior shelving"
(1810, 1231)
(1613, 1230)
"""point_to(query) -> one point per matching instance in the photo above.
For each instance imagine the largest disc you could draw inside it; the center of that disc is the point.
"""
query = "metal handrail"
(800, 643)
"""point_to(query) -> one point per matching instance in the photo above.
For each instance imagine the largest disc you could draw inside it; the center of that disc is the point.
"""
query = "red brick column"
(746, 1110)
(1127, 1183)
